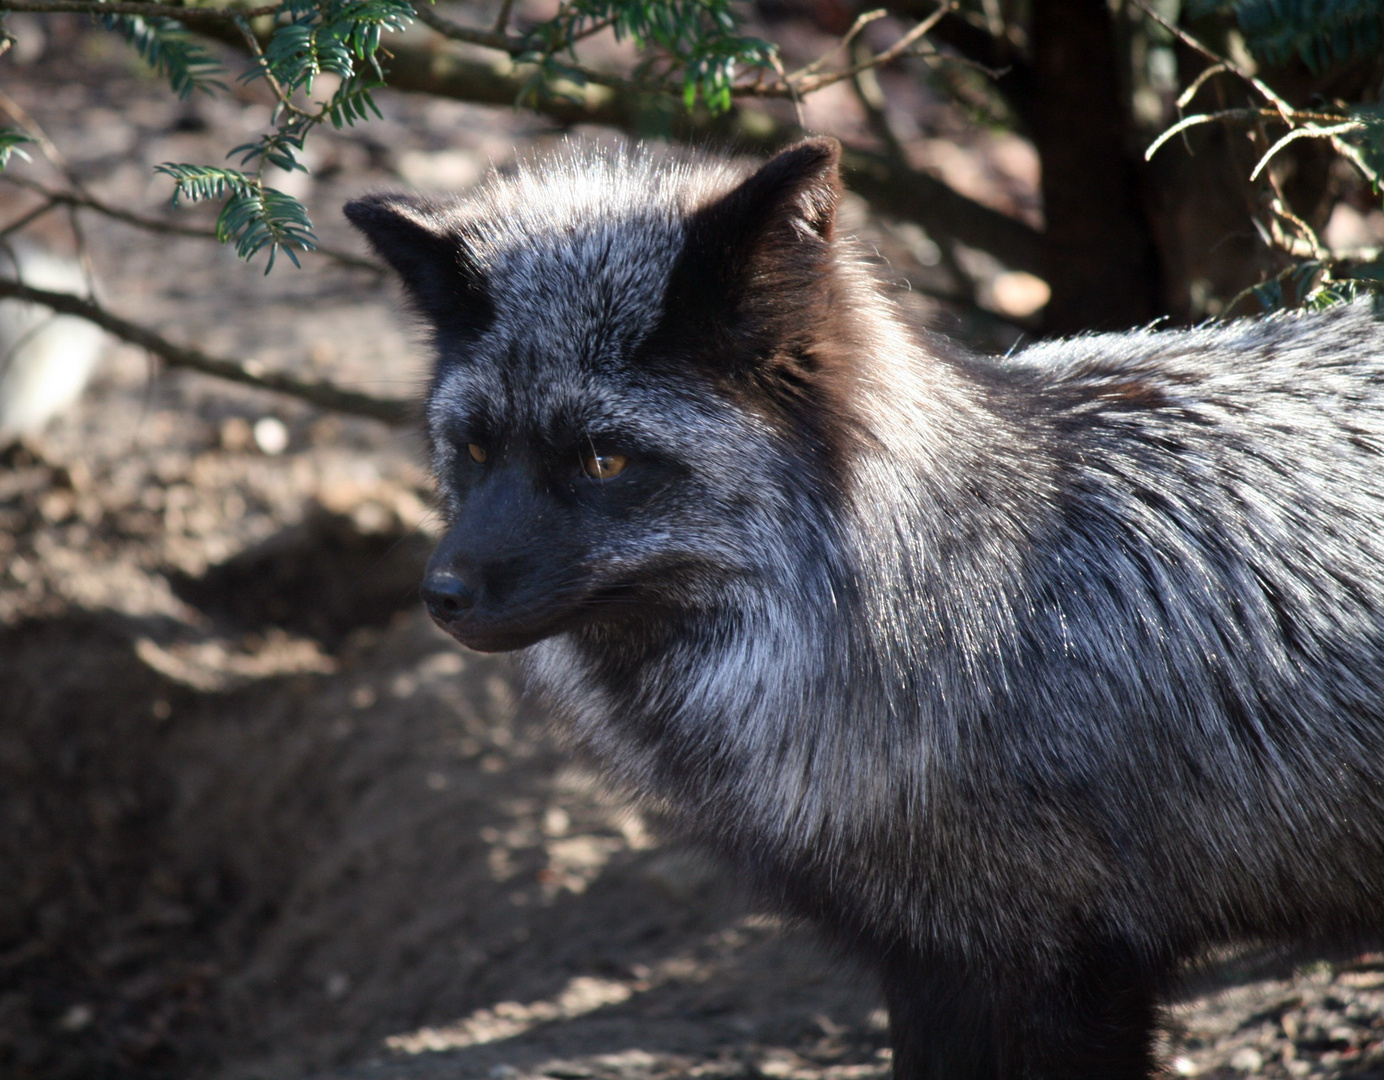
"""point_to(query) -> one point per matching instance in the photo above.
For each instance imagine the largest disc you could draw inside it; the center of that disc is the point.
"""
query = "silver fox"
(1028, 679)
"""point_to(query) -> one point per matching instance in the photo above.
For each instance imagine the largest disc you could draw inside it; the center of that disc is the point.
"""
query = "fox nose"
(447, 596)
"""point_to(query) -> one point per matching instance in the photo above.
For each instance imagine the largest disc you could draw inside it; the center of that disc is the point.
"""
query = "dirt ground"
(258, 819)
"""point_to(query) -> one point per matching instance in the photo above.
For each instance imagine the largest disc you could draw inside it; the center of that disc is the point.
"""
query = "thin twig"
(1250, 290)
(324, 394)
(517, 46)
(56, 159)
(1309, 131)
(1354, 154)
(1284, 109)
(1306, 234)
(502, 19)
(90, 202)
(1206, 118)
(35, 131)
(593, 29)
(808, 79)
(1185, 98)
(860, 23)
(794, 85)
(83, 253)
(811, 83)
(491, 39)
(28, 219)
(281, 95)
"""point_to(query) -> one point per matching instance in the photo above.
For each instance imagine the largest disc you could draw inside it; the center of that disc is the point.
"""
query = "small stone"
(271, 435)
(77, 1018)
(1019, 294)
(1185, 1066)
(362, 697)
(556, 821)
(1247, 1060)
(337, 985)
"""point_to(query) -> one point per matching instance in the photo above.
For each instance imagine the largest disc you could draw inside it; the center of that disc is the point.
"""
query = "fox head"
(640, 380)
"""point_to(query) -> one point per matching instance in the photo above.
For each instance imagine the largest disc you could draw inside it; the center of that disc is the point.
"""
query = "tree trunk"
(1100, 259)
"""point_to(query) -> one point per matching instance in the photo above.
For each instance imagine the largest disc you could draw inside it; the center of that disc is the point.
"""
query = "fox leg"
(1091, 1020)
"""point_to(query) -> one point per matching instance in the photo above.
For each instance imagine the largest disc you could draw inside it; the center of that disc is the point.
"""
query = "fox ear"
(425, 243)
(767, 239)
(797, 189)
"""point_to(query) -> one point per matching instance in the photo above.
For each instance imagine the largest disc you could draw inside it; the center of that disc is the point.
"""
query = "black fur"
(1032, 680)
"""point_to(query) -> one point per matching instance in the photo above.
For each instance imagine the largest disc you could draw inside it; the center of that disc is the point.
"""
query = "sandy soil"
(259, 820)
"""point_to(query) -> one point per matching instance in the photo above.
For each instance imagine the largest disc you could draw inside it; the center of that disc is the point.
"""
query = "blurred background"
(258, 819)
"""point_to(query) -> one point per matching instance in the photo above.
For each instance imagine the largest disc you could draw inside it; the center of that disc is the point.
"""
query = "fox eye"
(477, 452)
(603, 466)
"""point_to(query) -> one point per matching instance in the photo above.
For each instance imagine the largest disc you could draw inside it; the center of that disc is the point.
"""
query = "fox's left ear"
(760, 248)
(797, 189)
(793, 195)
(424, 241)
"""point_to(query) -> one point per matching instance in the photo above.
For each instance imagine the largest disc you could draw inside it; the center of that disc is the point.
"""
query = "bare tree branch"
(490, 39)
(146, 10)
(914, 196)
(321, 393)
(625, 103)
(847, 39)
(806, 82)
(152, 224)
(1284, 109)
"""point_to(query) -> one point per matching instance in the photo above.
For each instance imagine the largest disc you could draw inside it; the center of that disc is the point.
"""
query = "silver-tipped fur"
(1030, 679)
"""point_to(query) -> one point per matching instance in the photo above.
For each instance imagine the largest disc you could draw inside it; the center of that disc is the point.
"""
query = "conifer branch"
(318, 392)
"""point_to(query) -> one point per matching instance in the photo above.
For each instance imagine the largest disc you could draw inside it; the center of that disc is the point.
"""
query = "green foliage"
(10, 141)
(167, 47)
(1363, 281)
(196, 183)
(1368, 143)
(337, 37)
(254, 217)
(696, 39)
(265, 218)
(353, 102)
(329, 36)
(710, 71)
(279, 147)
(1320, 32)
(1317, 285)
(696, 36)
(1289, 288)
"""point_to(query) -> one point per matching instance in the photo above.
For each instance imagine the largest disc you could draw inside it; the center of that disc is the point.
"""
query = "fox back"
(1029, 678)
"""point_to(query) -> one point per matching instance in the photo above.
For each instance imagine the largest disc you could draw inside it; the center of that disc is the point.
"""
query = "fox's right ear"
(423, 241)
